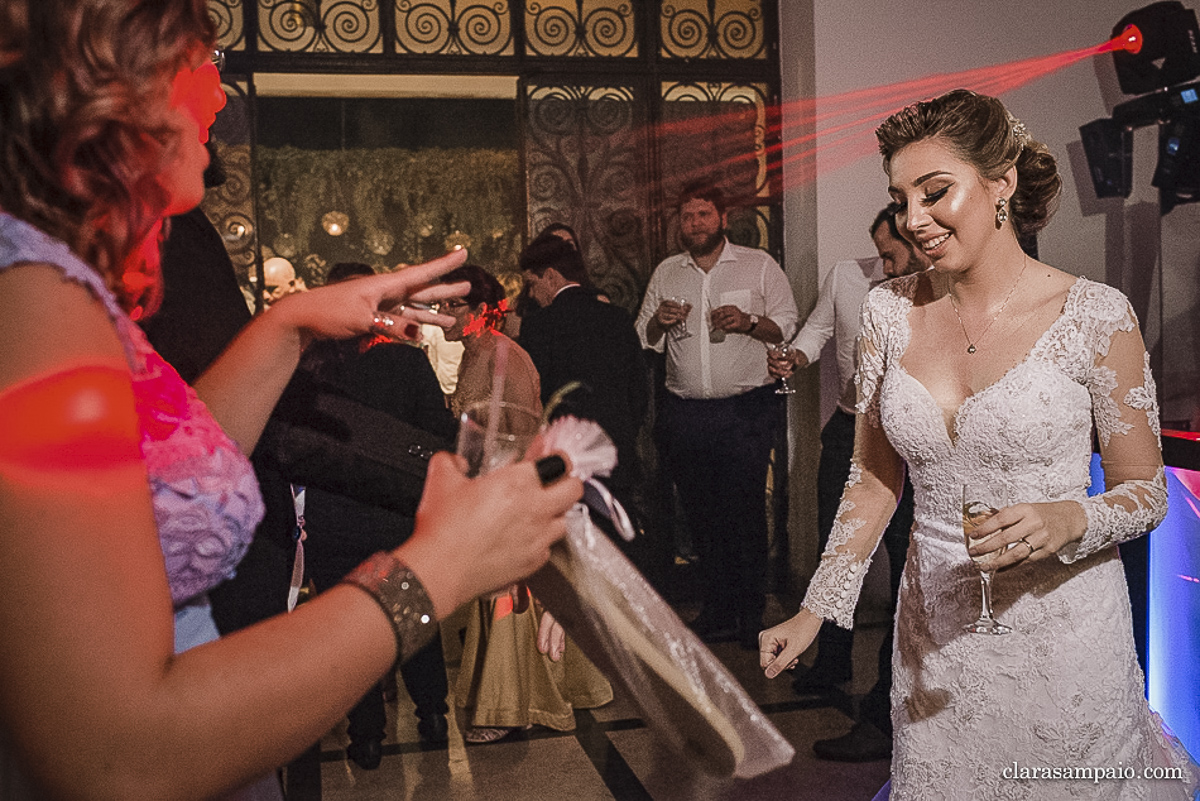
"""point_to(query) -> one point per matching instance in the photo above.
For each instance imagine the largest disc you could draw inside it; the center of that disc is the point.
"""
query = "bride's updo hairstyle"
(982, 133)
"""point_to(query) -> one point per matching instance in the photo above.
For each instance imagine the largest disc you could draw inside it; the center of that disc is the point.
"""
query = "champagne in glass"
(979, 502)
(783, 349)
(491, 435)
(680, 329)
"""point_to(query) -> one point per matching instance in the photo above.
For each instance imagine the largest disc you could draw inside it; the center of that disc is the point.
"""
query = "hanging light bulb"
(335, 223)
(379, 242)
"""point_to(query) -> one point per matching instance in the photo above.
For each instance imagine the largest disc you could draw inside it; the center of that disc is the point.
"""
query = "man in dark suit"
(578, 337)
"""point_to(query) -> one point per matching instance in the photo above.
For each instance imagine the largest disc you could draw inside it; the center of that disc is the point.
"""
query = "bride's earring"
(1001, 211)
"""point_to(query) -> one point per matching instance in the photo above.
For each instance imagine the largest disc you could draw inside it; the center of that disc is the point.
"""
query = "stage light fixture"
(1162, 47)
(1108, 146)
(1178, 172)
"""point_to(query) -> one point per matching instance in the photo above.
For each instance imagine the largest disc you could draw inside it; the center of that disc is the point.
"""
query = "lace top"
(206, 499)
(1030, 430)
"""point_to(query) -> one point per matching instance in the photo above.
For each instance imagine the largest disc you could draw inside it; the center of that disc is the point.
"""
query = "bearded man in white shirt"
(715, 308)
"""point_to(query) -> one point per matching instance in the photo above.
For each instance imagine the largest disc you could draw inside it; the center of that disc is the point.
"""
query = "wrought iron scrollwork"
(720, 131)
(319, 26)
(448, 27)
(716, 29)
(591, 28)
(585, 156)
(230, 19)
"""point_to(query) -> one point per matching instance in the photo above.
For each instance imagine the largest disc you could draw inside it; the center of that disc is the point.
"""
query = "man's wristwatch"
(753, 323)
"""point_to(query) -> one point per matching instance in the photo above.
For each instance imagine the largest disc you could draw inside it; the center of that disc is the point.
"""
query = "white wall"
(873, 43)
(831, 47)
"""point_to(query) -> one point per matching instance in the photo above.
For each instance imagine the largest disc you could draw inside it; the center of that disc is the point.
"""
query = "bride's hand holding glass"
(1028, 532)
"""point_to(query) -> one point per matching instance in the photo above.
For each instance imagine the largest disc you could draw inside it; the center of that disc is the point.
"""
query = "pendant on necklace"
(970, 349)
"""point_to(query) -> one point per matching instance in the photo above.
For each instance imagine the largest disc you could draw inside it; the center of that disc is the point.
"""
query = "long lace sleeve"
(1125, 412)
(876, 478)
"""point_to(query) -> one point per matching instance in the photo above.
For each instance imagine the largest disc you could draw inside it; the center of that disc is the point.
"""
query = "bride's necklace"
(971, 343)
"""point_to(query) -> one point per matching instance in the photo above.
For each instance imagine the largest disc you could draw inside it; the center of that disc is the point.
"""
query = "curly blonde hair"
(79, 156)
(981, 132)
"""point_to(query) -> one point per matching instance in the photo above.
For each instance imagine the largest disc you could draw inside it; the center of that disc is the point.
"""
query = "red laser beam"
(837, 130)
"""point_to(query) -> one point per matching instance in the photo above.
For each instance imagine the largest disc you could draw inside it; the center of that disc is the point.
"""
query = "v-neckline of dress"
(952, 431)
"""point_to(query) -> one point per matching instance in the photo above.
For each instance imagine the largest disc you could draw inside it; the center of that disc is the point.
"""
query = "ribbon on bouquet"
(592, 454)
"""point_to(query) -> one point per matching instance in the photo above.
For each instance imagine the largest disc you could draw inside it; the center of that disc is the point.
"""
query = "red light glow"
(1130, 39)
(79, 422)
(200, 92)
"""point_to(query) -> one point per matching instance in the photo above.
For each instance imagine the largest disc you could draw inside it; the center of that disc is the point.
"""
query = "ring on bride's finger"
(384, 321)
(1029, 544)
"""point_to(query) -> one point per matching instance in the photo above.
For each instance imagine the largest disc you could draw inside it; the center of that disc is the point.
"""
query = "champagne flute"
(784, 349)
(493, 434)
(680, 329)
(979, 502)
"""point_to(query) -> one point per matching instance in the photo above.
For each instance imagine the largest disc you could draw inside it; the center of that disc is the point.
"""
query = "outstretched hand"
(474, 536)
(375, 304)
(779, 647)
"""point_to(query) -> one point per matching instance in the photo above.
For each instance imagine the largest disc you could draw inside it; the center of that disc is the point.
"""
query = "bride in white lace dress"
(993, 367)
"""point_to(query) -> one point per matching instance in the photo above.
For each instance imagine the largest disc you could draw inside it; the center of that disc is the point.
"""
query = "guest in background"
(721, 410)
(577, 338)
(398, 380)
(505, 684)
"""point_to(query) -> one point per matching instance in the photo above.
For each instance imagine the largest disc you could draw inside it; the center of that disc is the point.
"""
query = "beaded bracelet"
(400, 594)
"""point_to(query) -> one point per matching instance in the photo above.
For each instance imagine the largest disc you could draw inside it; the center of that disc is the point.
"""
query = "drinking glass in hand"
(680, 329)
(784, 350)
(979, 502)
(488, 442)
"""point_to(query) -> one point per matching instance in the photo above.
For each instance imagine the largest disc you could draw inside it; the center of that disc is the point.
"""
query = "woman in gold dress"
(506, 684)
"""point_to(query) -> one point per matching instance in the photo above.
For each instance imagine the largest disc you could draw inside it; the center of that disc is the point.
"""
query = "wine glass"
(680, 329)
(979, 502)
(784, 349)
(491, 435)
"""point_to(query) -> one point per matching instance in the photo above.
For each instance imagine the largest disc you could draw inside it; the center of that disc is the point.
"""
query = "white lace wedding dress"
(1064, 690)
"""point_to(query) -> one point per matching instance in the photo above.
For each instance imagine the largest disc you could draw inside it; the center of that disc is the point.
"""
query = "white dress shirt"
(837, 314)
(698, 366)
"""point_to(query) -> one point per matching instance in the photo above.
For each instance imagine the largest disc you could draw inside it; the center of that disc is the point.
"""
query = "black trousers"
(719, 451)
(834, 643)
(331, 553)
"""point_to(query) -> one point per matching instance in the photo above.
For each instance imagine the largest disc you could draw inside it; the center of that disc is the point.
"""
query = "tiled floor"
(610, 755)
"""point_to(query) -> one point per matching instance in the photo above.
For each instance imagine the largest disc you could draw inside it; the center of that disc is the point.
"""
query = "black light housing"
(1170, 51)
(1108, 146)
(1163, 54)
(1178, 172)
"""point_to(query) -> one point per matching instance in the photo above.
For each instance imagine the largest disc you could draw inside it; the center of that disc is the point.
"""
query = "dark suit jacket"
(580, 338)
(389, 377)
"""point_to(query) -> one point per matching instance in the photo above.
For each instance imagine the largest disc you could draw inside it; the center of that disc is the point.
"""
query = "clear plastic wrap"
(623, 626)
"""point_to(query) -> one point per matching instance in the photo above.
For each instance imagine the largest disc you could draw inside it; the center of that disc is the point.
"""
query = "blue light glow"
(1174, 625)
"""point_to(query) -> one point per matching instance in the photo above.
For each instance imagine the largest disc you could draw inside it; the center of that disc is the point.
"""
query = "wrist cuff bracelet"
(399, 592)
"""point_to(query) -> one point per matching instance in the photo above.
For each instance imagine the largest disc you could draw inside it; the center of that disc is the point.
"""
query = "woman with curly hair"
(125, 495)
